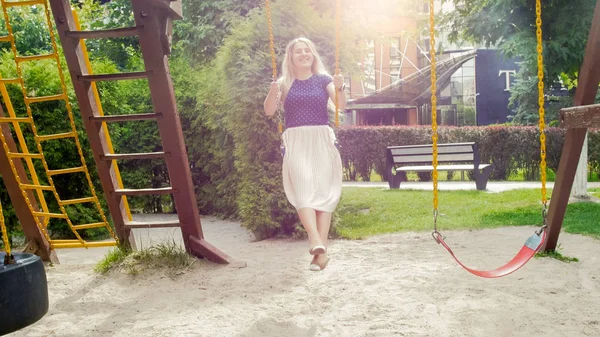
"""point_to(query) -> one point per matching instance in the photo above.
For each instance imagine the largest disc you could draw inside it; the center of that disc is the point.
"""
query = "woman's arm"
(337, 84)
(270, 104)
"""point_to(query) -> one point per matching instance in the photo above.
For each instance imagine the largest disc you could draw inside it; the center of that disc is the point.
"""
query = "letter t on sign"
(507, 76)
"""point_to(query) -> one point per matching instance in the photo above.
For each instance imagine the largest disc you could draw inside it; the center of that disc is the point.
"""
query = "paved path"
(492, 186)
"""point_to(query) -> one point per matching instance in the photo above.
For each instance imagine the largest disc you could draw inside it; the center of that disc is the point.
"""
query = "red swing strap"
(531, 246)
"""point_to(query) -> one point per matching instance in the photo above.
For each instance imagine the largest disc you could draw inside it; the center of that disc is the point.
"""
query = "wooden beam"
(163, 100)
(173, 7)
(367, 106)
(589, 78)
(26, 218)
(586, 116)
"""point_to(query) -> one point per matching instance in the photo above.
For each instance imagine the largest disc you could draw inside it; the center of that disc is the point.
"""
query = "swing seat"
(23, 292)
(529, 249)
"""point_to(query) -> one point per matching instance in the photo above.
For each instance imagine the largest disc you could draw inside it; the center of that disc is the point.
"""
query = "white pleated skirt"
(312, 168)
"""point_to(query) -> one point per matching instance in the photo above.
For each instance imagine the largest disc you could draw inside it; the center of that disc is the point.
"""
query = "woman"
(312, 167)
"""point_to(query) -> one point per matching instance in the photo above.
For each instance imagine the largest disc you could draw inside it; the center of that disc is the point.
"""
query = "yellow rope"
(542, 122)
(338, 15)
(28, 161)
(4, 232)
(434, 135)
(2, 138)
(273, 60)
(36, 136)
(271, 40)
(73, 128)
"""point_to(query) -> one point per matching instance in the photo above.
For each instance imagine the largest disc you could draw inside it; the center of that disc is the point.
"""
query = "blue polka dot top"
(306, 102)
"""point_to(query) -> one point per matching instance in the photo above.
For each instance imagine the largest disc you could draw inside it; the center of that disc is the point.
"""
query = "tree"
(510, 26)
(207, 22)
(96, 15)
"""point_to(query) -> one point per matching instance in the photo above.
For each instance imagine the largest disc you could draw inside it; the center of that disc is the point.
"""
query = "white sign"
(507, 74)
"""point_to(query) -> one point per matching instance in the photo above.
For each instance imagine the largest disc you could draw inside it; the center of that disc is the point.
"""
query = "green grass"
(555, 254)
(168, 255)
(595, 192)
(365, 212)
(112, 258)
(516, 176)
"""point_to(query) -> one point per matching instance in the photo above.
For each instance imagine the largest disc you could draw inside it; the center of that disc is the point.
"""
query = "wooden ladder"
(153, 20)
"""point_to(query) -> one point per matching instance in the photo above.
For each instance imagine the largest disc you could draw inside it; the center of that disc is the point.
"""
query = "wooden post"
(589, 78)
(580, 185)
(149, 16)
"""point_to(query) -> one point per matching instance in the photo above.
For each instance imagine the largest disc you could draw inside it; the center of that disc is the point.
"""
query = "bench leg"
(394, 181)
(481, 178)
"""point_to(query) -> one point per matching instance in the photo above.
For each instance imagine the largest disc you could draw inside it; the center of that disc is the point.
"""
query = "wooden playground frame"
(153, 26)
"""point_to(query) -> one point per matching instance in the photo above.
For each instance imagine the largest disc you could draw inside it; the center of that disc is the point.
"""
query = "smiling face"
(302, 56)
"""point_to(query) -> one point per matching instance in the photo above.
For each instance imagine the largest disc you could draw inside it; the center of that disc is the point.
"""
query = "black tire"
(23, 292)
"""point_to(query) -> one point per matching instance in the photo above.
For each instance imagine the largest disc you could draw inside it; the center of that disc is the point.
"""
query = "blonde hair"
(287, 67)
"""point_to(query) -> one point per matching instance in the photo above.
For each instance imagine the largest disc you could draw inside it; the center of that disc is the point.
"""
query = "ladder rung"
(66, 171)
(89, 225)
(8, 4)
(103, 34)
(25, 155)
(10, 80)
(56, 136)
(154, 224)
(65, 241)
(125, 156)
(45, 98)
(35, 57)
(125, 118)
(36, 187)
(78, 244)
(144, 191)
(50, 215)
(5, 38)
(78, 201)
(15, 119)
(115, 77)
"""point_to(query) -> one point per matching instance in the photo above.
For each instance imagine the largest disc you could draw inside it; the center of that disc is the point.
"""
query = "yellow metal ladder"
(44, 215)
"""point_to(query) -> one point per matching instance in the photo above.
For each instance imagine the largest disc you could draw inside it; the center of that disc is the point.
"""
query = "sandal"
(317, 250)
(318, 267)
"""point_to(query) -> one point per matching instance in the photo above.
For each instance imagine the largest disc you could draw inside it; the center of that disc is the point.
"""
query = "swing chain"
(541, 111)
(273, 62)
(544, 217)
(338, 6)
(280, 124)
(434, 137)
(435, 234)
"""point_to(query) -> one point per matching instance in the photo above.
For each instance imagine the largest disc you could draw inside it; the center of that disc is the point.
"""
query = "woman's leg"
(308, 217)
(323, 225)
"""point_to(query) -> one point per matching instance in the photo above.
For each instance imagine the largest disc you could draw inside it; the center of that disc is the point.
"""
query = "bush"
(508, 148)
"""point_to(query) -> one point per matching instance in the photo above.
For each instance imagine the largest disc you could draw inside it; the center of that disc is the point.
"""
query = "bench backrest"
(423, 154)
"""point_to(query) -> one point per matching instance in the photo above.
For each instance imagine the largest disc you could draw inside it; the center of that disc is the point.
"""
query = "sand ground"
(388, 285)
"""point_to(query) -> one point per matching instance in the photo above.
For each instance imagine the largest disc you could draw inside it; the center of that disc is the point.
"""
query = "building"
(473, 84)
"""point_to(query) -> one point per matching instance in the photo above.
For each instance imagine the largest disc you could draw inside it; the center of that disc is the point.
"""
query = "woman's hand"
(338, 82)
(274, 87)
(270, 104)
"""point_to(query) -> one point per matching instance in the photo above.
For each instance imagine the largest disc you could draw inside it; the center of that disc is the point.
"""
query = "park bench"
(451, 157)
